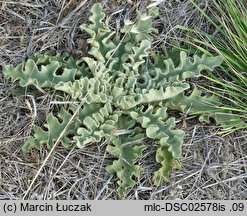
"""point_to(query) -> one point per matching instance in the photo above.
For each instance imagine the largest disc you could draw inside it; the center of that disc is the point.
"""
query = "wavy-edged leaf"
(45, 71)
(96, 125)
(54, 127)
(157, 127)
(125, 148)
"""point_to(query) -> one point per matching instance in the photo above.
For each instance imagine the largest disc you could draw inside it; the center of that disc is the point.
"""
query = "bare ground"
(213, 166)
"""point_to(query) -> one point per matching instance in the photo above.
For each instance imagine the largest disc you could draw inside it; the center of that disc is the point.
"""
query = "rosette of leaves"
(124, 87)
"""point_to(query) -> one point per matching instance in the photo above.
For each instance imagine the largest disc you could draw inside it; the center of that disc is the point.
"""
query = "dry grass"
(213, 167)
